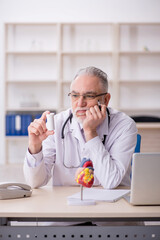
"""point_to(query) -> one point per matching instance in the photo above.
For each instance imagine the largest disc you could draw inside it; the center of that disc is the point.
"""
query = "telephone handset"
(10, 190)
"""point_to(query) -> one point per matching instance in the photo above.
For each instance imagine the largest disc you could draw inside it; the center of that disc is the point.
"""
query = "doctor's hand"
(94, 117)
(38, 132)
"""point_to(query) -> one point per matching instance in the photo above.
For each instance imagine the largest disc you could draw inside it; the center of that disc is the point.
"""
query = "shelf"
(31, 52)
(42, 81)
(17, 138)
(65, 82)
(148, 125)
(139, 52)
(148, 110)
(87, 23)
(139, 24)
(30, 109)
(86, 53)
(136, 81)
(32, 23)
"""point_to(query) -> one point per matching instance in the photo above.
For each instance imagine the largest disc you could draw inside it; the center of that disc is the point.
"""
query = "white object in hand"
(18, 122)
(50, 122)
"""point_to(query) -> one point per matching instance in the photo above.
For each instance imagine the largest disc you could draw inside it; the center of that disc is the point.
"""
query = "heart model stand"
(85, 178)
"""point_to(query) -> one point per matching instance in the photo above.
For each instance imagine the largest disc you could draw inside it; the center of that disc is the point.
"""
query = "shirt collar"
(76, 130)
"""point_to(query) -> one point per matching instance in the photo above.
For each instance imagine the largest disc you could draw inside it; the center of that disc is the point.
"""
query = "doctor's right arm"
(35, 170)
(37, 133)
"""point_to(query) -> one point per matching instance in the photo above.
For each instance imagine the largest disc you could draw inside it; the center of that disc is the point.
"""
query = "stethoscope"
(62, 135)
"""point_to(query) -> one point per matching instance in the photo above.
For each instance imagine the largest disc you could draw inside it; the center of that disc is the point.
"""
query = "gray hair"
(93, 71)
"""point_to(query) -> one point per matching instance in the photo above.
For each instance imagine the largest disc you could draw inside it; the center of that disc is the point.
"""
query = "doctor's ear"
(107, 99)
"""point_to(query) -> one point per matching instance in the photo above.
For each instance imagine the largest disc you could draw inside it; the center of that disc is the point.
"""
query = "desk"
(50, 204)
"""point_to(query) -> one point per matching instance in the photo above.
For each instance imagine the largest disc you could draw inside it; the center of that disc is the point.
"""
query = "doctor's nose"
(81, 102)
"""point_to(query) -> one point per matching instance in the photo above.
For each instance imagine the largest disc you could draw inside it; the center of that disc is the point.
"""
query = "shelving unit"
(139, 73)
(42, 58)
(139, 78)
(85, 44)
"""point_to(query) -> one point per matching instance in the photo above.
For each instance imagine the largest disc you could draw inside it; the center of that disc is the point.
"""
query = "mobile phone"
(99, 105)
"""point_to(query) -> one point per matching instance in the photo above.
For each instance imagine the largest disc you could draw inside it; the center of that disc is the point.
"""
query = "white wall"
(71, 11)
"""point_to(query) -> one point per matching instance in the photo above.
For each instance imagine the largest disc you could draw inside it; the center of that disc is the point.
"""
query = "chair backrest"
(137, 149)
(138, 145)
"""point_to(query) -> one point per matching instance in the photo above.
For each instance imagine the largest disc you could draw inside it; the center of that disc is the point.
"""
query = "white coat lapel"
(77, 133)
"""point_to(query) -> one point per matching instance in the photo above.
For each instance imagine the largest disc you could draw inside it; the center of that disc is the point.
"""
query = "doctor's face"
(83, 91)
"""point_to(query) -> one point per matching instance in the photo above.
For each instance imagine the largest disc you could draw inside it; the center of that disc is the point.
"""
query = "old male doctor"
(106, 136)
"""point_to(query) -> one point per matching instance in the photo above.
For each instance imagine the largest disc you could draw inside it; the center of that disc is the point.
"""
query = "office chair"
(137, 149)
(138, 145)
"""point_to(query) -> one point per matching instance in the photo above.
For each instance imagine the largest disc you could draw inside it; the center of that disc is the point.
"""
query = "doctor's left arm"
(37, 167)
(112, 162)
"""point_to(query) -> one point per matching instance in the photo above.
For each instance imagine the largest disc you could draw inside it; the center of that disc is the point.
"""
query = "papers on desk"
(101, 194)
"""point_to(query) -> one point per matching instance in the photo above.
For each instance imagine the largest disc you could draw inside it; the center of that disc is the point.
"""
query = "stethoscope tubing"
(70, 118)
(62, 136)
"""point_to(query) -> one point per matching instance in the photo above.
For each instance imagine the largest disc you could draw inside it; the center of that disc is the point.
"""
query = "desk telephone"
(10, 190)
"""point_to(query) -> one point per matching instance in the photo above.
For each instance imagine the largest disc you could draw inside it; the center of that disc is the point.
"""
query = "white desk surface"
(51, 202)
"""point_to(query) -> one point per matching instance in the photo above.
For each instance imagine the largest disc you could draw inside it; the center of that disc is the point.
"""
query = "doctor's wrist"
(90, 134)
(33, 149)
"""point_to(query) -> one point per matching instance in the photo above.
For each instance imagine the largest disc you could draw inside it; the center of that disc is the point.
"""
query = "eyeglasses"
(87, 97)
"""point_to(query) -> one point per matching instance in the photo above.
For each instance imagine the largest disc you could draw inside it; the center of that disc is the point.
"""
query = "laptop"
(145, 179)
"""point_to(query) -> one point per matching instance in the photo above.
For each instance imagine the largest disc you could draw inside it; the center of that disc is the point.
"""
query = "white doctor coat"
(59, 159)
